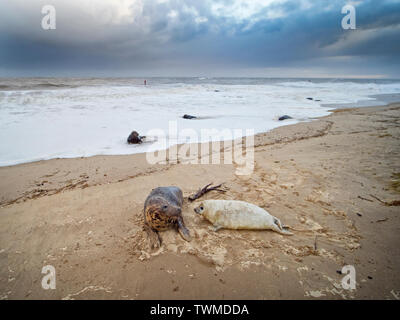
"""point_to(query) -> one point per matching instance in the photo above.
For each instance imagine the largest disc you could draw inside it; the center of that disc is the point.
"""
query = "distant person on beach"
(145, 82)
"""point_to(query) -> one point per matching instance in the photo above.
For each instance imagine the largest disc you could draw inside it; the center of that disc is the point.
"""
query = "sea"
(47, 118)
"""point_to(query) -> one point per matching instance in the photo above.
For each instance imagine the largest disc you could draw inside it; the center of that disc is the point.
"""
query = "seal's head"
(200, 208)
(160, 214)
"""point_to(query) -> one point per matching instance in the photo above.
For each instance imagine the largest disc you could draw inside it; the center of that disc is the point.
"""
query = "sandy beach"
(335, 181)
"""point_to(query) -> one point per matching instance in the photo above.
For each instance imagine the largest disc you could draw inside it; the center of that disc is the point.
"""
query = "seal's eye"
(201, 208)
(165, 207)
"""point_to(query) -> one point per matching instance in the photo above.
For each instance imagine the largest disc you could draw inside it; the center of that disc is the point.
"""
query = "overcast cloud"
(200, 38)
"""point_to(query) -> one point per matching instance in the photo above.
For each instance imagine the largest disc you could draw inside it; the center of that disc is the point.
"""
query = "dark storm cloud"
(188, 37)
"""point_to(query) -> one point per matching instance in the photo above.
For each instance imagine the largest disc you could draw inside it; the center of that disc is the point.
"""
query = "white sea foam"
(84, 118)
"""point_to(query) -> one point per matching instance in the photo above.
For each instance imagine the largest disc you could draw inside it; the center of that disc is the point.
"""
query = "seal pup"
(162, 211)
(233, 214)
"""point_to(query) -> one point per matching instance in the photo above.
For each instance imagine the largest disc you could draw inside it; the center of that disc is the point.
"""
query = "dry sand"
(335, 181)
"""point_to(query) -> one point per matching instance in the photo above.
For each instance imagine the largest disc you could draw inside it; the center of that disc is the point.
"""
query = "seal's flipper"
(184, 232)
(216, 228)
(154, 237)
(285, 232)
(279, 228)
(278, 223)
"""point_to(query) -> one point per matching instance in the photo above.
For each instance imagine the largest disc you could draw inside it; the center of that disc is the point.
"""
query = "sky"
(227, 38)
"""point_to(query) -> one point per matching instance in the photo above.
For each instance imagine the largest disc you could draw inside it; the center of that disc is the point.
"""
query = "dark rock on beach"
(285, 117)
(187, 116)
(309, 98)
(134, 138)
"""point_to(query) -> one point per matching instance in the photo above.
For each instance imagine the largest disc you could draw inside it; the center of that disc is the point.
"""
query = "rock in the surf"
(285, 117)
(188, 116)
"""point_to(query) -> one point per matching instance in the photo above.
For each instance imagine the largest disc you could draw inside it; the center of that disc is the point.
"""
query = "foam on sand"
(63, 118)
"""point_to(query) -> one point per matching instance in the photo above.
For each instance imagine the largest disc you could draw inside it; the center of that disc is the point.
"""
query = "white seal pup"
(232, 214)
